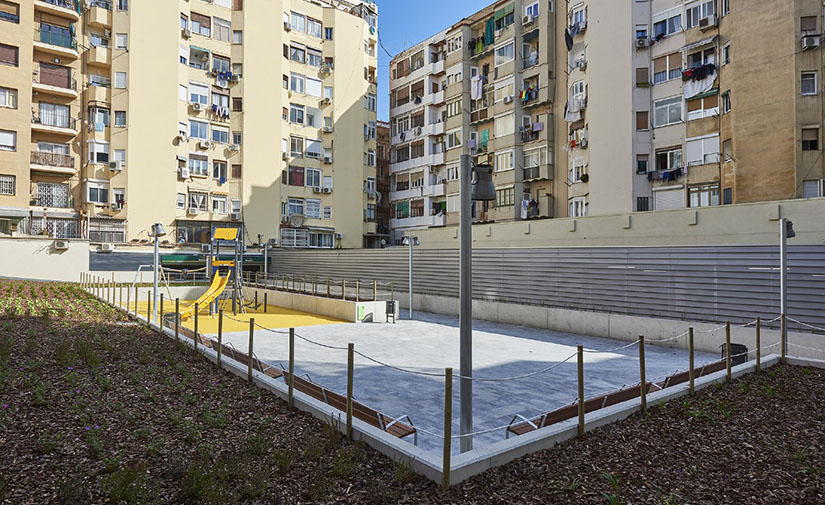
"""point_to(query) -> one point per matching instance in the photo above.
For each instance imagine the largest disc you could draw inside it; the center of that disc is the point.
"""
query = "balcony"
(97, 55)
(63, 8)
(437, 189)
(540, 207)
(53, 87)
(55, 43)
(417, 222)
(530, 61)
(54, 123)
(430, 159)
(413, 133)
(53, 163)
(537, 173)
(99, 14)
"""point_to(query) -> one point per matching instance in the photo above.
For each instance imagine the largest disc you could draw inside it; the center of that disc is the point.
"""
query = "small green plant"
(47, 441)
(770, 391)
(256, 446)
(744, 388)
(566, 488)
(802, 454)
(283, 461)
(343, 463)
(72, 490)
(724, 409)
(318, 489)
(254, 484)
(198, 482)
(94, 442)
(127, 485)
(404, 472)
(614, 480)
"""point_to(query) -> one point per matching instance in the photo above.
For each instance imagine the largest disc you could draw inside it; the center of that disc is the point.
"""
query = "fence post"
(160, 312)
(290, 398)
(727, 351)
(177, 319)
(350, 373)
(375, 291)
(149, 308)
(758, 344)
(120, 295)
(128, 300)
(784, 336)
(220, 336)
(136, 301)
(448, 428)
(580, 352)
(314, 287)
(256, 298)
(357, 289)
(643, 385)
(392, 290)
(265, 303)
(343, 289)
(197, 309)
(250, 354)
(327, 287)
(691, 377)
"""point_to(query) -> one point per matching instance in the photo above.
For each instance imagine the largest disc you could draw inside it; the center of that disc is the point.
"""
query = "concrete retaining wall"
(36, 258)
(345, 310)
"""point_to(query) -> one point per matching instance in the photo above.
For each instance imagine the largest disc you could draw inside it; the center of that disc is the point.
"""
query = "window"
(532, 9)
(121, 40)
(297, 53)
(453, 203)
(323, 240)
(97, 193)
(369, 102)
(575, 169)
(369, 130)
(725, 54)
(120, 118)
(296, 176)
(9, 12)
(98, 151)
(223, 29)
(504, 161)
(370, 158)
(201, 24)
(641, 31)
(119, 155)
(8, 140)
(703, 196)
(810, 139)
(642, 77)
(807, 25)
(8, 98)
(313, 178)
(220, 134)
(534, 157)
(328, 33)
(296, 147)
(642, 121)
(198, 129)
(697, 11)
(578, 16)
(219, 170)
(727, 150)
(313, 27)
(99, 117)
(237, 37)
(314, 148)
(296, 113)
(237, 138)
(641, 163)
(452, 172)
(198, 201)
(504, 54)
(180, 202)
(296, 82)
(505, 197)
(809, 83)
(454, 44)
(669, 159)
(667, 67)
(642, 204)
(120, 80)
(726, 103)
(503, 89)
(184, 21)
(99, 80)
(313, 208)
(236, 171)
(198, 93)
(219, 204)
(53, 195)
(123, 5)
(701, 57)
(577, 91)
(237, 104)
(294, 237)
(237, 69)
(724, 7)
(667, 23)
(727, 196)
(453, 139)
(236, 205)
(298, 22)
(505, 125)
(810, 189)
(198, 164)
(328, 92)
(703, 107)
(295, 207)
(667, 111)
(703, 150)
(237, 5)
(577, 207)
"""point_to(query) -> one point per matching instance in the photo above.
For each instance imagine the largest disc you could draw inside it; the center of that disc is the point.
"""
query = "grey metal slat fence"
(699, 283)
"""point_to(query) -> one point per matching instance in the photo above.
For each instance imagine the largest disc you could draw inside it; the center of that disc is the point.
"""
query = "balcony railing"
(531, 60)
(52, 159)
(55, 39)
(56, 120)
(70, 84)
(66, 4)
(103, 4)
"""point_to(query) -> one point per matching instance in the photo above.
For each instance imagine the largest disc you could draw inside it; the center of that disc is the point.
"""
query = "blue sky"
(404, 23)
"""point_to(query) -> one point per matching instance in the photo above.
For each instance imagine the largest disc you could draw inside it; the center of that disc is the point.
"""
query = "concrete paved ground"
(430, 343)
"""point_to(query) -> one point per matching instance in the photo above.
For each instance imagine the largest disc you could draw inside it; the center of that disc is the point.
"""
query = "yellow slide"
(219, 283)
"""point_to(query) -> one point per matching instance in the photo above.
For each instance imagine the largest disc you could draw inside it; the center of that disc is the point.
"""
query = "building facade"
(382, 183)
(588, 107)
(188, 113)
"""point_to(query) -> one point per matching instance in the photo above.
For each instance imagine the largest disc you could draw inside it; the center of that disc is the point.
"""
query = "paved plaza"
(430, 343)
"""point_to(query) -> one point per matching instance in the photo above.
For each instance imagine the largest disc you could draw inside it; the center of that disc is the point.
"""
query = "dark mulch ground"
(92, 411)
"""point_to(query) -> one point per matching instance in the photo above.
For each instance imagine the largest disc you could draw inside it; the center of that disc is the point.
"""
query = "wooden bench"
(394, 427)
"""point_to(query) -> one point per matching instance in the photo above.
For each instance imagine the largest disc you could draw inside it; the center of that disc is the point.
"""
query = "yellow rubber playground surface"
(274, 317)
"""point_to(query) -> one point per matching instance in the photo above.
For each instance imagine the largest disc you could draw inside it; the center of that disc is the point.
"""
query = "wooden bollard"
(249, 349)
(350, 373)
(256, 298)
(691, 374)
(783, 328)
(643, 385)
(220, 337)
(314, 291)
(580, 353)
(120, 295)
(448, 428)
(758, 344)
(149, 308)
(327, 287)
(197, 309)
(375, 291)
(136, 301)
(265, 302)
(160, 312)
(128, 300)
(357, 289)
(177, 319)
(291, 396)
(727, 352)
(343, 289)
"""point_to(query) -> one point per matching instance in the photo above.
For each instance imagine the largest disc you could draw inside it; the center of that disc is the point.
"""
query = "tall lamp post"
(411, 241)
(157, 232)
(786, 231)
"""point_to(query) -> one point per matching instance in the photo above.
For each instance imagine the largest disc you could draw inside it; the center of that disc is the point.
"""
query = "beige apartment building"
(600, 107)
(115, 115)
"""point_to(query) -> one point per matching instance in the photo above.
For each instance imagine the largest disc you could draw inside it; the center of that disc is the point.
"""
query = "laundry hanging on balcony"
(476, 87)
(703, 84)
(571, 116)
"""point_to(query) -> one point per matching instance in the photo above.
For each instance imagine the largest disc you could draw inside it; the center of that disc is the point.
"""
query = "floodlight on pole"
(786, 231)
(411, 241)
(157, 232)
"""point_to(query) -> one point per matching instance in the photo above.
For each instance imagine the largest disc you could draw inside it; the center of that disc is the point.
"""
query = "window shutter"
(8, 54)
(807, 23)
(642, 122)
(694, 151)
(642, 75)
(810, 189)
(286, 51)
(237, 5)
(660, 64)
(810, 133)
(675, 60)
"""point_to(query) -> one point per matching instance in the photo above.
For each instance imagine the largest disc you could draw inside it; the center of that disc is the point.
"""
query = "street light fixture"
(157, 232)
(786, 231)
(411, 241)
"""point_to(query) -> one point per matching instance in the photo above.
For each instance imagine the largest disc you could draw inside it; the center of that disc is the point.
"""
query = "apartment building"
(382, 183)
(610, 107)
(174, 112)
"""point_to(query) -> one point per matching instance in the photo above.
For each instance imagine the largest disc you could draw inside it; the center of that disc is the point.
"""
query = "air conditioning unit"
(107, 248)
(642, 42)
(115, 206)
(316, 189)
(327, 129)
(273, 242)
(371, 194)
(581, 63)
(326, 68)
(183, 172)
(61, 245)
(107, 32)
(287, 27)
(583, 143)
(194, 211)
(235, 78)
(326, 101)
(508, 99)
(527, 20)
(197, 107)
(810, 42)
(284, 156)
(327, 160)
(185, 33)
(418, 131)
(708, 22)
(204, 144)
(234, 147)
(285, 218)
(206, 248)
(235, 216)
(327, 190)
(116, 165)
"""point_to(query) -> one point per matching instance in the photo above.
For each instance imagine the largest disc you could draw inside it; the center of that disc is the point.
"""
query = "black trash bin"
(738, 353)
(390, 311)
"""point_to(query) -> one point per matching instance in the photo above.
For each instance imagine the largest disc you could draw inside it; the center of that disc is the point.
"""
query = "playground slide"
(219, 283)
